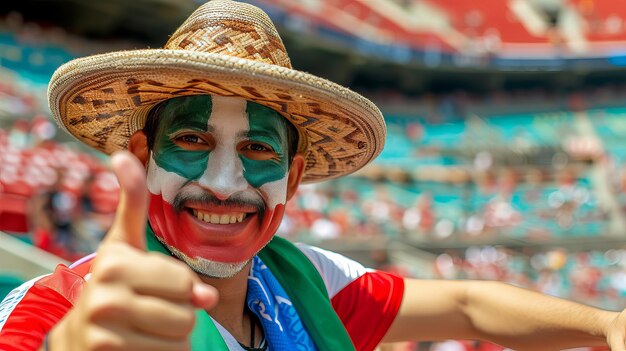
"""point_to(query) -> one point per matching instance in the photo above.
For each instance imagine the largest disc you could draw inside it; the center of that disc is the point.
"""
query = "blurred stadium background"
(505, 157)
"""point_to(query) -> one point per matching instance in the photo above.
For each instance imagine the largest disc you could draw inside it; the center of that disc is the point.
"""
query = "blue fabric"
(281, 324)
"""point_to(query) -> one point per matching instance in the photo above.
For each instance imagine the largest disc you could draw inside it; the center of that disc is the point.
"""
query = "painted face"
(218, 180)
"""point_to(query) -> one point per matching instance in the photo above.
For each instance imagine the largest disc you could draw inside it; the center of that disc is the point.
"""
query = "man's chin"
(217, 270)
(208, 268)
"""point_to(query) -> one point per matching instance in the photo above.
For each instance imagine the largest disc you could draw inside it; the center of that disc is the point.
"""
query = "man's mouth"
(219, 218)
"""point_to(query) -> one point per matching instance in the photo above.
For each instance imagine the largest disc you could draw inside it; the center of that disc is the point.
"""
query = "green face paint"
(184, 113)
(269, 127)
(258, 124)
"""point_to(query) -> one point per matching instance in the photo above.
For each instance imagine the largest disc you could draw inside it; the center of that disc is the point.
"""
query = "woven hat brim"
(101, 100)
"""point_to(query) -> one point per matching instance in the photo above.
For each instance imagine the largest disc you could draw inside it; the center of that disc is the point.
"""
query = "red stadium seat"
(13, 213)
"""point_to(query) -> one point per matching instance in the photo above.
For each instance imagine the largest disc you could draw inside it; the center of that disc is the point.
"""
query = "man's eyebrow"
(242, 134)
(249, 133)
(192, 124)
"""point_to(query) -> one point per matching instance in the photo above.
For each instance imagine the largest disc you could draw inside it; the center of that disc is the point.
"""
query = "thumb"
(132, 210)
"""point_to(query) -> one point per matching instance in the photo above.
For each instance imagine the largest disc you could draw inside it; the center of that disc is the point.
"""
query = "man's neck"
(229, 312)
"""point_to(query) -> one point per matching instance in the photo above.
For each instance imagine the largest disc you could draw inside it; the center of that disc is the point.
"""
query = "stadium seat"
(13, 213)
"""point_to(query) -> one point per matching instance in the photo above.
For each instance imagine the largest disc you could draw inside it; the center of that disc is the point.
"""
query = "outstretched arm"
(504, 314)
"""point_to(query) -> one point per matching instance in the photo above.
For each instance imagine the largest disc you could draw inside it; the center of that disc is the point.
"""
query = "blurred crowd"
(60, 199)
(494, 206)
(596, 278)
(593, 277)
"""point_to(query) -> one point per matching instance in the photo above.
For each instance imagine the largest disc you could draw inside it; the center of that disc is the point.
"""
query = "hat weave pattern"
(225, 48)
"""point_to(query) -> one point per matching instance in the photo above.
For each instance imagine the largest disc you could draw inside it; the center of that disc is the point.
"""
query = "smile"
(223, 218)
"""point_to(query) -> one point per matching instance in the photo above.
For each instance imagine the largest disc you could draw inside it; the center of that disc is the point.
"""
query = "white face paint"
(228, 124)
(237, 145)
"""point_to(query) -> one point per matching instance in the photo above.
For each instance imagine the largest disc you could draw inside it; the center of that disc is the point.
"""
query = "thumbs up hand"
(134, 300)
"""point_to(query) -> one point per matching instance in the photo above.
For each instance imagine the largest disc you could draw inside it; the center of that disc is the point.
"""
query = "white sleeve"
(336, 270)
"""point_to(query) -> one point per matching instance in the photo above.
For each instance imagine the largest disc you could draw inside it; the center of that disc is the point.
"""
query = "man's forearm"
(528, 320)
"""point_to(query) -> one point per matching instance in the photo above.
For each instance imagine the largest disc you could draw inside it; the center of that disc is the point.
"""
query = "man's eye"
(257, 151)
(191, 139)
(257, 147)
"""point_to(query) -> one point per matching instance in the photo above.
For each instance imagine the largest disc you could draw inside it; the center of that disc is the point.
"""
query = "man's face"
(218, 177)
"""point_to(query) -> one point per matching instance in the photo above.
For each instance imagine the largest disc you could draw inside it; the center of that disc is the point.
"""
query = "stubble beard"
(206, 267)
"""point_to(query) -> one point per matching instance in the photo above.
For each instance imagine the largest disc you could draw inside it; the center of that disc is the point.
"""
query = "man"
(226, 132)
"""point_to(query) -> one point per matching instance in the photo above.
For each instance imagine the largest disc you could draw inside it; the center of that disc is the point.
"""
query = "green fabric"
(205, 336)
(306, 289)
(302, 283)
(153, 244)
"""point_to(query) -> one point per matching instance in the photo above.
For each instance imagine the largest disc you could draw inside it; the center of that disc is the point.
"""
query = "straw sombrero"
(224, 48)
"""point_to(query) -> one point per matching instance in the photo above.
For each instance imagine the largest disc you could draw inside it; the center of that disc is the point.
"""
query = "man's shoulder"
(358, 295)
(322, 256)
(43, 300)
(336, 270)
(63, 280)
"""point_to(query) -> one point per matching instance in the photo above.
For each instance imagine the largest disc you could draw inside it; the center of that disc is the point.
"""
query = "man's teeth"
(229, 218)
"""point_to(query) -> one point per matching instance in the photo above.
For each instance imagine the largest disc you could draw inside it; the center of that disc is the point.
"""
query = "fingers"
(140, 301)
(128, 313)
(162, 318)
(148, 274)
(204, 296)
(132, 210)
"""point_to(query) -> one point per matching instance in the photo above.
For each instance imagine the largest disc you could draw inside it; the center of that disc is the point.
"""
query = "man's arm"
(504, 314)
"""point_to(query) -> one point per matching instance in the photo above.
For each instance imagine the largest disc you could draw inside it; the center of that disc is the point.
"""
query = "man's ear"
(138, 145)
(296, 171)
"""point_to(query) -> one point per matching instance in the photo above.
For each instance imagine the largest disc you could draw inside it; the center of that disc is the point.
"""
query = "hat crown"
(231, 28)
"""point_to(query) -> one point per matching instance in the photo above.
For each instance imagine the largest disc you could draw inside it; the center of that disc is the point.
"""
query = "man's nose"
(224, 174)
